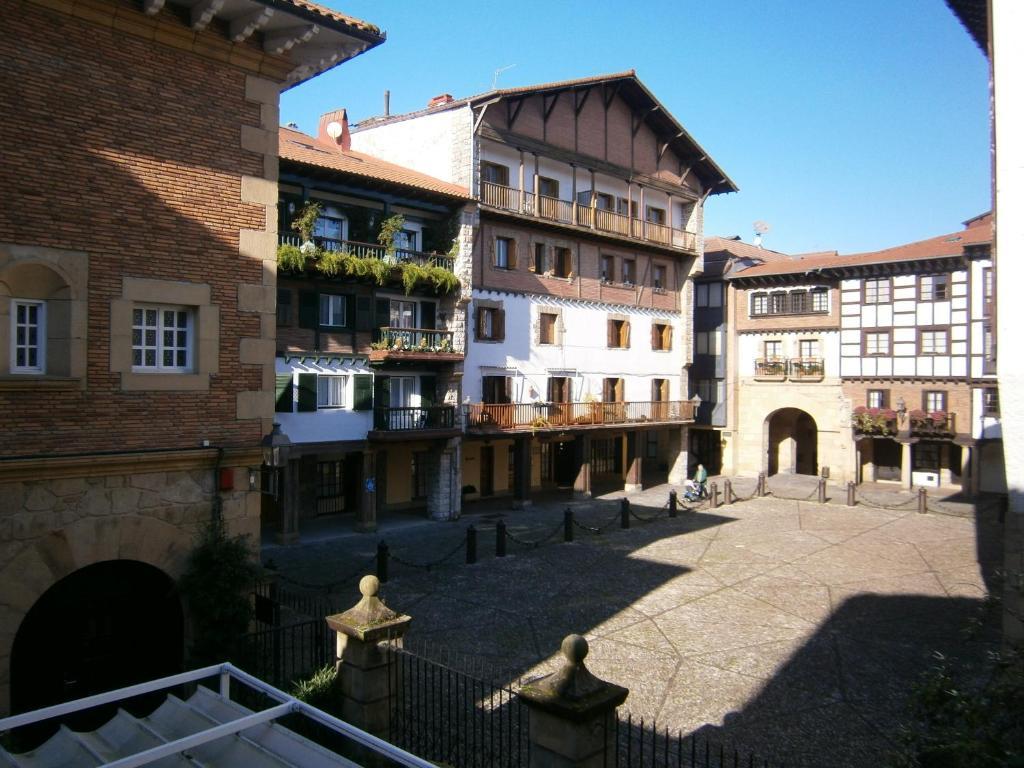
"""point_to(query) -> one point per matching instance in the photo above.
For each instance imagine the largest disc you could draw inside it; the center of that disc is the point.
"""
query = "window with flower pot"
(934, 401)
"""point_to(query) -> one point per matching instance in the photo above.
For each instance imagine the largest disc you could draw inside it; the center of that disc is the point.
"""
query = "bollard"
(499, 542)
(922, 500)
(760, 483)
(567, 522)
(470, 545)
(821, 490)
(727, 493)
(624, 512)
(673, 503)
(382, 562)
(714, 496)
(851, 494)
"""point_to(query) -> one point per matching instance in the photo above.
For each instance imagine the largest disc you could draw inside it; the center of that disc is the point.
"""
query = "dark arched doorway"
(792, 437)
(102, 627)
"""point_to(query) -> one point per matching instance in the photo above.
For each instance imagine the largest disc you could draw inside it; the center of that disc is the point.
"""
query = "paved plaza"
(796, 628)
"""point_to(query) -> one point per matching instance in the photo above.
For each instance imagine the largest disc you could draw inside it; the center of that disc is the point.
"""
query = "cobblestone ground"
(794, 628)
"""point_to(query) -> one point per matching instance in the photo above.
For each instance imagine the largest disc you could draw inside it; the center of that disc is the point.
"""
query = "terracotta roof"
(300, 148)
(553, 86)
(329, 14)
(730, 248)
(980, 232)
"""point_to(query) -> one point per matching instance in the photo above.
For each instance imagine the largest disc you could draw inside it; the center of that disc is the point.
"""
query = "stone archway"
(791, 443)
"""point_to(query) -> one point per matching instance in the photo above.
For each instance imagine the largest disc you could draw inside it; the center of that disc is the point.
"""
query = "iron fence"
(640, 745)
(285, 655)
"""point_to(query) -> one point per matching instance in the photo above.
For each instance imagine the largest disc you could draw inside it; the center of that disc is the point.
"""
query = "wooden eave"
(844, 271)
(369, 187)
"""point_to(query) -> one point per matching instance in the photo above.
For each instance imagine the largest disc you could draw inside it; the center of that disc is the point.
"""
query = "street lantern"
(276, 447)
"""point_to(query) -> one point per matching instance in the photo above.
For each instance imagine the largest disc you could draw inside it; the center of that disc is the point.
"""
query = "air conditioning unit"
(925, 479)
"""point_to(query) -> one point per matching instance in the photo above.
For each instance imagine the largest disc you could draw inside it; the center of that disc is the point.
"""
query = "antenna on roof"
(497, 72)
(760, 228)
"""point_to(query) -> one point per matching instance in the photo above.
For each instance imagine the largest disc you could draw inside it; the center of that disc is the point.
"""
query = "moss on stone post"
(572, 713)
(362, 664)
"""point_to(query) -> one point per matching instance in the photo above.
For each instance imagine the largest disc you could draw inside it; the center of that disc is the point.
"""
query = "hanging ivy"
(305, 219)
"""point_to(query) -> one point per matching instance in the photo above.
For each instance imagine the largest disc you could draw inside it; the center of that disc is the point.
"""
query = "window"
(661, 337)
(402, 314)
(330, 391)
(799, 303)
(284, 307)
(659, 390)
(497, 389)
(819, 300)
(710, 295)
(926, 457)
(708, 342)
(494, 173)
(559, 389)
(28, 336)
(562, 261)
(490, 324)
(933, 342)
(608, 268)
(162, 339)
(758, 304)
(988, 348)
(548, 323)
(655, 215)
(878, 291)
(330, 487)
(538, 258)
(990, 402)
(878, 398)
(809, 348)
(420, 463)
(604, 201)
(330, 228)
(505, 253)
(332, 310)
(613, 390)
(934, 287)
(548, 187)
(934, 400)
(777, 303)
(660, 276)
(773, 350)
(606, 456)
(876, 343)
(407, 240)
(618, 334)
(987, 289)
(626, 207)
(629, 271)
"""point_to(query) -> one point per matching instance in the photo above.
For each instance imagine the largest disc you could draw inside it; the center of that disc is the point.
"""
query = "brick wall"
(744, 322)
(130, 152)
(958, 396)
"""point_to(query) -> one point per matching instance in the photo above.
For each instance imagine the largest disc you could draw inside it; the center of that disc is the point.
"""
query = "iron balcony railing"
(537, 416)
(424, 340)
(569, 212)
(932, 425)
(885, 422)
(402, 419)
(374, 251)
(794, 369)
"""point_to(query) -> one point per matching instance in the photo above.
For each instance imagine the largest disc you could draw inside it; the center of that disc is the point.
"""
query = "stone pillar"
(444, 482)
(945, 476)
(906, 479)
(581, 461)
(522, 466)
(679, 455)
(572, 714)
(288, 499)
(634, 463)
(362, 664)
(367, 520)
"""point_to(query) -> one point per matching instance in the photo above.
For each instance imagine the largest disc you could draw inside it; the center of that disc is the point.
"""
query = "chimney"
(334, 129)
(387, 103)
(444, 98)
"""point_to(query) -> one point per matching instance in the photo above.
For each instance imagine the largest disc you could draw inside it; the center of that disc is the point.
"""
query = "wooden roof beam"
(549, 107)
(639, 120)
(242, 27)
(580, 102)
(514, 113)
(203, 12)
(285, 39)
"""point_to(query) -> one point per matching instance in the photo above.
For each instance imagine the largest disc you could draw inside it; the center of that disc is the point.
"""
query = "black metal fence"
(285, 655)
(640, 745)
(444, 715)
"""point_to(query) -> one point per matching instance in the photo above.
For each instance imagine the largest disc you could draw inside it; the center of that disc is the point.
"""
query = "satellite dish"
(334, 129)
(761, 227)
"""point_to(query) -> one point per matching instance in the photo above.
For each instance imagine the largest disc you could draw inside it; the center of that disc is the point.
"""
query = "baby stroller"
(695, 491)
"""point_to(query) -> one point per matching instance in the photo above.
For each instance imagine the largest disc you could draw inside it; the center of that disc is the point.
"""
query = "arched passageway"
(792, 442)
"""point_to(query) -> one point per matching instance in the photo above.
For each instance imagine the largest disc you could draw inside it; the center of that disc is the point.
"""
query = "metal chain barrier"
(600, 528)
(808, 497)
(525, 543)
(364, 568)
(432, 563)
(643, 519)
(937, 508)
(862, 499)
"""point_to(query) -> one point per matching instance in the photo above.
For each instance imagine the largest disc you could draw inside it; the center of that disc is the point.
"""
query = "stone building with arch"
(137, 301)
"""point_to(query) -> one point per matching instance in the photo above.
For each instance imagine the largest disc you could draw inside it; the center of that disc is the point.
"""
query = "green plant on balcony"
(291, 258)
(389, 230)
(540, 422)
(305, 220)
(772, 368)
(445, 345)
(874, 421)
(808, 368)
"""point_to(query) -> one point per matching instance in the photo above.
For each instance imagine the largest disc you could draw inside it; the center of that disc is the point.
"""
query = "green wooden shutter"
(309, 309)
(362, 392)
(307, 392)
(283, 394)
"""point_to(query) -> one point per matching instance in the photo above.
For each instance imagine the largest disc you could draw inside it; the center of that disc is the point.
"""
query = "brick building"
(591, 199)
(137, 287)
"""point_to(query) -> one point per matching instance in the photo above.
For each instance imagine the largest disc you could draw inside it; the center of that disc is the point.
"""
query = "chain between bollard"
(500, 543)
(567, 521)
(624, 513)
(433, 563)
(673, 503)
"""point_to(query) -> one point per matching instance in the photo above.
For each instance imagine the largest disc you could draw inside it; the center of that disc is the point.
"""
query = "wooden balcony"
(536, 417)
(403, 422)
(374, 251)
(418, 344)
(567, 212)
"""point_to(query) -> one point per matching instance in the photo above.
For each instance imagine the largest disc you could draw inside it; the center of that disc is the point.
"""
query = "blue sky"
(848, 124)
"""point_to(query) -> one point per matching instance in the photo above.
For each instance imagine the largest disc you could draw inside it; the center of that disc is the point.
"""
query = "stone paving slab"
(793, 628)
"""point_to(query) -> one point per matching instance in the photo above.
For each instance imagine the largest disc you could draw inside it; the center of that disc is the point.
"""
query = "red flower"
(873, 412)
(889, 414)
(917, 414)
(937, 416)
(860, 410)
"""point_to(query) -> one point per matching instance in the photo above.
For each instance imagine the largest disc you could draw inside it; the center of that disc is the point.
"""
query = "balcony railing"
(374, 251)
(933, 425)
(421, 340)
(540, 416)
(795, 369)
(402, 419)
(885, 422)
(567, 212)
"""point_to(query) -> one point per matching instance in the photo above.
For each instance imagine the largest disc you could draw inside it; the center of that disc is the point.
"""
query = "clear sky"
(847, 124)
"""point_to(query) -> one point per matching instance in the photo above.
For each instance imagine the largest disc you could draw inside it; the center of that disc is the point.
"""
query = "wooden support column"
(593, 200)
(522, 182)
(642, 214)
(581, 462)
(367, 521)
(536, 185)
(634, 462)
(575, 207)
(522, 466)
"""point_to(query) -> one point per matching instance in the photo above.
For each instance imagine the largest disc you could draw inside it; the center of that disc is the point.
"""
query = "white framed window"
(28, 336)
(809, 348)
(330, 391)
(332, 309)
(162, 339)
(403, 314)
(773, 350)
(819, 300)
(331, 226)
